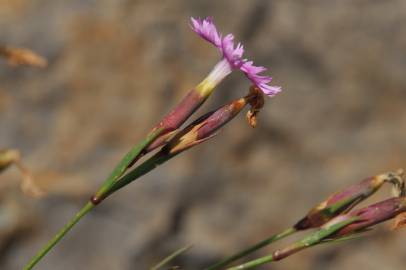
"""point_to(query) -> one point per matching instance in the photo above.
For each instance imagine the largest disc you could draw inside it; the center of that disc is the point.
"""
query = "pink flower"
(233, 54)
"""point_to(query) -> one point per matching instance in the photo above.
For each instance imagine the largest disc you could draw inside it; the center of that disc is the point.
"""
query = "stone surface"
(115, 67)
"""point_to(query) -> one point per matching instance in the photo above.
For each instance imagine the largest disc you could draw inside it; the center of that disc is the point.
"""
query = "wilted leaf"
(257, 102)
(399, 222)
(28, 185)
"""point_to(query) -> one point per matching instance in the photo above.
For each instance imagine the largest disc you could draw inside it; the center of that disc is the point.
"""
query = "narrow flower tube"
(183, 110)
(346, 199)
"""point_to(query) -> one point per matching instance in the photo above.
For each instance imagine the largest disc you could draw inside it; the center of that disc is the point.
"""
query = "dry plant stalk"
(9, 157)
(21, 56)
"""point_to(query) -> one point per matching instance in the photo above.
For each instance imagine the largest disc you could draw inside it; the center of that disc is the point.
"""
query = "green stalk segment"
(120, 169)
(251, 249)
(89, 206)
(141, 170)
(254, 263)
(309, 241)
(100, 195)
(169, 258)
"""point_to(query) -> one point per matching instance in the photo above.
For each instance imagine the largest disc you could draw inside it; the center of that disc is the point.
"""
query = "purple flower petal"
(252, 73)
(233, 54)
(207, 30)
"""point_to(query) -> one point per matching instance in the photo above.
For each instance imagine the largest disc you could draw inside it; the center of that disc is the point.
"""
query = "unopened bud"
(345, 200)
(206, 126)
(372, 215)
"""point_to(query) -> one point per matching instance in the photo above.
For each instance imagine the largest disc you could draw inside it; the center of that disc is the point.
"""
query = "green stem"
(100, 195)
(172, 256)
(144, 168)
(253, 263)
(251, 249)
(89, 206)
(311, 240)
(275, 256)
(122, 166)
(141, 170)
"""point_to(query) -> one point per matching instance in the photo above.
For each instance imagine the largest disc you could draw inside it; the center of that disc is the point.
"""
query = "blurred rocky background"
(116, 67)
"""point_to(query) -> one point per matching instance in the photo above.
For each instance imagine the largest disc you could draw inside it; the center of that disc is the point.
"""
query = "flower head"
(233, 55)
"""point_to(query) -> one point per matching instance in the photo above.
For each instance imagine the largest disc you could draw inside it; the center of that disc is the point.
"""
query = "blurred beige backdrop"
(115, 68)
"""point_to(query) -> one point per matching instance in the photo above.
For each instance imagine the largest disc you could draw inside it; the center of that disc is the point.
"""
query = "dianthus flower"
(232, 58)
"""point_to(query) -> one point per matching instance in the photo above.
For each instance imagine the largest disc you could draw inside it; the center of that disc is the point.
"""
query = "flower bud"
(345, 200)
(372, 215)
(206, 126)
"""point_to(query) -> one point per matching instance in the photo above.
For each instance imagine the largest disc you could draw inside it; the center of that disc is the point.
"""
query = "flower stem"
(89, 206)
(148, 165)
(251, 249)
(254, 263)
(313, 239)
(100, 195)
(125, 162)
(275, 256)
(172, 256)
